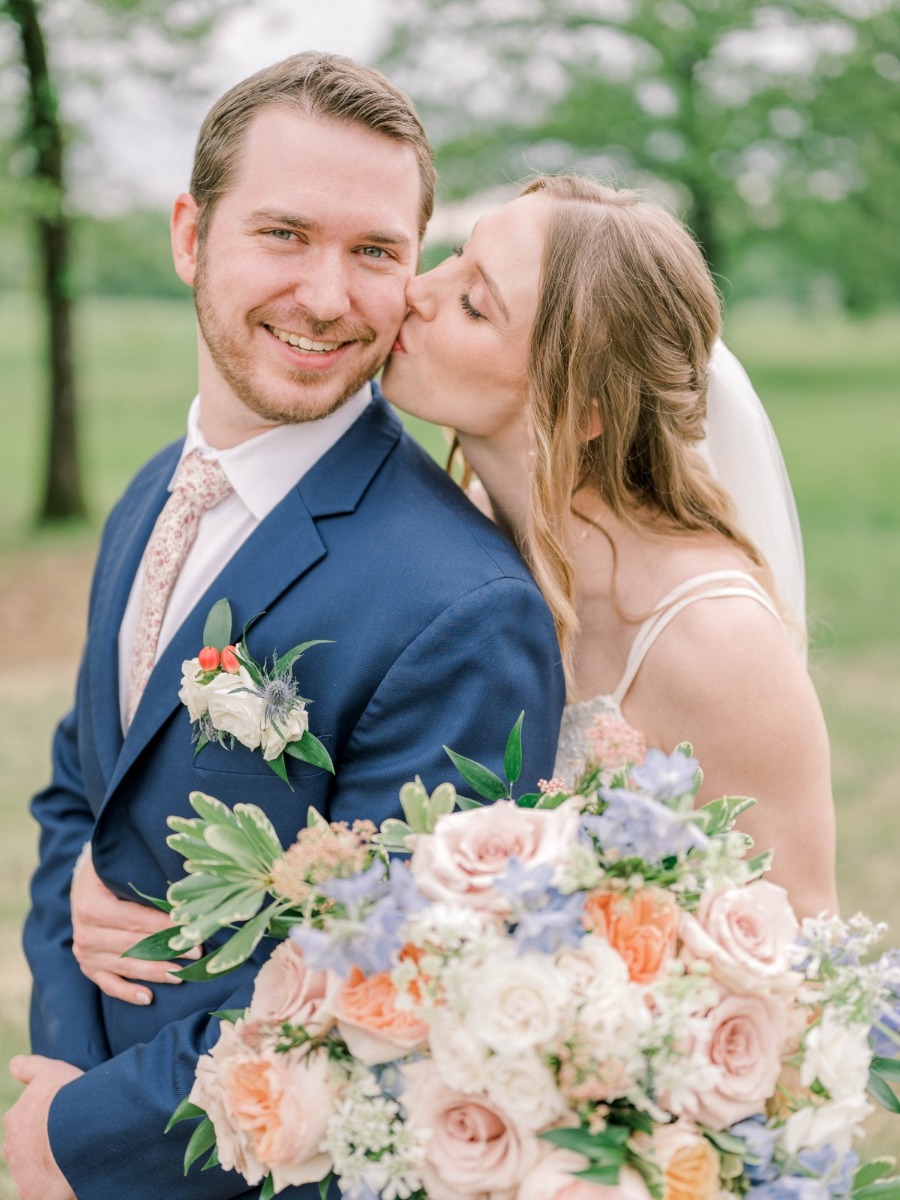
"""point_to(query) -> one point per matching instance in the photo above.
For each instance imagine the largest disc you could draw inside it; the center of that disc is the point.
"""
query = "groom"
(311, 189)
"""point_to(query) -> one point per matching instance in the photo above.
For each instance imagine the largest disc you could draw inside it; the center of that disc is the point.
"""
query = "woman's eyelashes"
(469, 308)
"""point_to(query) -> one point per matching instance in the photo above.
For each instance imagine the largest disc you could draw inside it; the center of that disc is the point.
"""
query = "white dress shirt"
(262, 471)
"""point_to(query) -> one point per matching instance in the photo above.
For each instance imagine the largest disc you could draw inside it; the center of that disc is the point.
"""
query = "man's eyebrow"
(378, 237)
(493, 289)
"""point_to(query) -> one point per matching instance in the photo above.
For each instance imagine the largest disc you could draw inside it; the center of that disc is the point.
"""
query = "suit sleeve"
(65, 1006)
(462, 682)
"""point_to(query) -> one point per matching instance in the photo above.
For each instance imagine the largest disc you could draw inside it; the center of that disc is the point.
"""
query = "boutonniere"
(231, 697)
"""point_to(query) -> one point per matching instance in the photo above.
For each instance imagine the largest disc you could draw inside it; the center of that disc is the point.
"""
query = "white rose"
(239, 710)
(838, 1057)
(457, 1054)
(195, 695)
(290, 729)
(517, 1006)
(592, 968)
(836, 1122)
(524, 1088)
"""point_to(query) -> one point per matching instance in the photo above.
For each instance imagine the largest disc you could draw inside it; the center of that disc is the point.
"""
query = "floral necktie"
(199, 485)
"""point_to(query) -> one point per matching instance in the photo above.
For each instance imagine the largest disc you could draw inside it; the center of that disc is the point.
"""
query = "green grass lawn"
(832, 388)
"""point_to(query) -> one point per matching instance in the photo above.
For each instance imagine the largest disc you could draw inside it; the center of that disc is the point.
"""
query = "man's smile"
(303, 343)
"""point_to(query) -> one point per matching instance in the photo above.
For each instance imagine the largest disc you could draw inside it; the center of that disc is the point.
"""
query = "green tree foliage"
(773, 128)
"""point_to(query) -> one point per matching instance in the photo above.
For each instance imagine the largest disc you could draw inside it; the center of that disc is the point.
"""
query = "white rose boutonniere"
(231, 697)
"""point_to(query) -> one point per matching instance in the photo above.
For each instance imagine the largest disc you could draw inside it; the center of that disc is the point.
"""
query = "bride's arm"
(724, 677)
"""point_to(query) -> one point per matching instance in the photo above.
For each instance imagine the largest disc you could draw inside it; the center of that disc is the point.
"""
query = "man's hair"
(318, 85)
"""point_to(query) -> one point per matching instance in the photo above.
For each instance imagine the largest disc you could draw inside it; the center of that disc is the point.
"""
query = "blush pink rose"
(369, 1021)
(462, 859)
(473, 1148)
(747, 1036)
(747, 936)
(270, 1111)
(553, 1179)
(286, 989)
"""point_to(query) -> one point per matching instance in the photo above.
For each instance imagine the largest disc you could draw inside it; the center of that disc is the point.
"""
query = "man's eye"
(282, 235)
(375, 252)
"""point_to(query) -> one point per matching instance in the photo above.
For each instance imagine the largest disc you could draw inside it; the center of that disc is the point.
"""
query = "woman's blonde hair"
(626, 321)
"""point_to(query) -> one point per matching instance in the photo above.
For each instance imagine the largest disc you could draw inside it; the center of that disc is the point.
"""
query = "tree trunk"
(62, 491)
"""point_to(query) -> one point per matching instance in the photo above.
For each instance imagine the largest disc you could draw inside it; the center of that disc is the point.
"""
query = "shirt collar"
(263, 469)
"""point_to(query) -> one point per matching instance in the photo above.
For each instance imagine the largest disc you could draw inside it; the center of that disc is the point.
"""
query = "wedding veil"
(743, 454)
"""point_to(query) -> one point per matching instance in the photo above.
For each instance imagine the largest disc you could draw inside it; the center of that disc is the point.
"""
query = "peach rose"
(553, 1179)
(748, 1035)
(747, 936)
(641, 927)
(473, 1148)
(269, 1110)
(370, 1022)
(467, 853)
(689, 1162)
(286, 989)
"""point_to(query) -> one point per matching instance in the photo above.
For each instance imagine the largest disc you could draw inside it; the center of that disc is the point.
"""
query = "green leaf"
(605, 1147)
(323, 1186)
(607, 1176)
(260, 832)
(441, 803)
(162, 905)
(314, 819)
(530, 800)
(202, 1139)
(870, 1171)
(213, 1160)
(267, 1191)
(286, 661)
(512, 755)
(393, 834)
(882, 1189)
(887, 1068)
(156, 947)
(239, 948)
(466, 802)
(231, 1015)
(485, 782)
(277, 765)
(310, 749)
(196, 971)
(184, 1112)
(202, 741)
(217, 630)
(883, 1093)
(728, 1143)
(211, 810)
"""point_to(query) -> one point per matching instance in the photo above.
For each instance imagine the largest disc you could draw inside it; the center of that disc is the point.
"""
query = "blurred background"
(772, 129)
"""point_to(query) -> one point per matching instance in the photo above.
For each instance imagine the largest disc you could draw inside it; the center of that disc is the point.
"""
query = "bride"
(569, 346)
(572, 344)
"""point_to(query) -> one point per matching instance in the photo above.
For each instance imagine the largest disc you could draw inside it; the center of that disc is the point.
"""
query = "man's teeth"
(302, 343)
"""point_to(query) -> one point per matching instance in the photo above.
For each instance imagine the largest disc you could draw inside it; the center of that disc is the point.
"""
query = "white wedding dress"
(579, 718)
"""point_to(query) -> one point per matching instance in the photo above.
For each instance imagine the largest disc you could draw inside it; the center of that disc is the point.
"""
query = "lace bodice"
(580, 718)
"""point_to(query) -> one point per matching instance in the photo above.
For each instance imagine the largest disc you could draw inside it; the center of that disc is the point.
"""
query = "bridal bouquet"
(571, 996)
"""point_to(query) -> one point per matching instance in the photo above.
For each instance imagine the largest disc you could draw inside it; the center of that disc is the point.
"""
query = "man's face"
(299, 283)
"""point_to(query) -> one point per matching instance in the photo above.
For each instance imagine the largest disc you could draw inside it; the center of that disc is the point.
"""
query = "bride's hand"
(104, 927)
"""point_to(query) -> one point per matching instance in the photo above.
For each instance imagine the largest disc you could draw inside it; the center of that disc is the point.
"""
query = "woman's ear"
(185, 219)
(595, 422)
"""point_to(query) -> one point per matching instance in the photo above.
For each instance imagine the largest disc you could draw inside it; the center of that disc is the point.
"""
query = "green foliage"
(786, 166)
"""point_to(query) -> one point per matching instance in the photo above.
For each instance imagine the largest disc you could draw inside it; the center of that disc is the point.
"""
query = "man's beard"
(237, 367)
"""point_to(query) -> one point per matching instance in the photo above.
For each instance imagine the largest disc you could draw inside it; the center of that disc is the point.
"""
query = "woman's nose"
(421, 293)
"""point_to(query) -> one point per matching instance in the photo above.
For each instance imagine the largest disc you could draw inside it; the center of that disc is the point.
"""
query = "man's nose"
(324, 290)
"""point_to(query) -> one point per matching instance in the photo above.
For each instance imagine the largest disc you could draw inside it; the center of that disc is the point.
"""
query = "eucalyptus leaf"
(202, 1139)
(484, 781)
(309, 749)
(217, 630)
(512, 755)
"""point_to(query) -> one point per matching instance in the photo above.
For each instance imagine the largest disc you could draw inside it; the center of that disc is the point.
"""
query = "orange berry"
(208, 658)
(229, 661)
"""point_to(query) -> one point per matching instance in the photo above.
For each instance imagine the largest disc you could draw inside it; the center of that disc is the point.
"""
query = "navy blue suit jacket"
(440, 636)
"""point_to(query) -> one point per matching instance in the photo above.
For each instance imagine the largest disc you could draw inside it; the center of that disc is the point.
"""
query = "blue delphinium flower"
(885, 1036)
(544, 917)
(759, 1145)
(792, 1187)
(665, 776)
(638, 826)
(836, 1169)
(352, 891)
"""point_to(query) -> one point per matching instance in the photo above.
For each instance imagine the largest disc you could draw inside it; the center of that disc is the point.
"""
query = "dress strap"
(732, 583)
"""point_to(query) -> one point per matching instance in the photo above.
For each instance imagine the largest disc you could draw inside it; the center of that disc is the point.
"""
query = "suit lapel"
(283, 548)
(141, 506)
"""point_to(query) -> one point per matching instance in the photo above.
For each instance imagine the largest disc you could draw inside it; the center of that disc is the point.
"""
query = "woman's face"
(461, 356)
